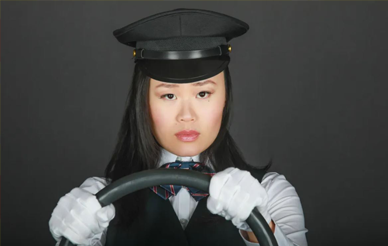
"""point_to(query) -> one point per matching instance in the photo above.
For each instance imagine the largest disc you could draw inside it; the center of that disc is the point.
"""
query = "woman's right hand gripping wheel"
(79, 216)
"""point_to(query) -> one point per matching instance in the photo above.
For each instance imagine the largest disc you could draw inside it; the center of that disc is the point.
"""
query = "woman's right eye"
(169, 97)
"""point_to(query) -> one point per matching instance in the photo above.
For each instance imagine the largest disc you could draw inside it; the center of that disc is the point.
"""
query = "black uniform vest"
(160, 226)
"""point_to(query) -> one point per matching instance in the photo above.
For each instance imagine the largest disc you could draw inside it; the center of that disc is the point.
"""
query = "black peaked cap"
(182, 45)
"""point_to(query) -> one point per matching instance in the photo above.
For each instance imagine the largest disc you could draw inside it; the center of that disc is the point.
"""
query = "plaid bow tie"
(166, 191)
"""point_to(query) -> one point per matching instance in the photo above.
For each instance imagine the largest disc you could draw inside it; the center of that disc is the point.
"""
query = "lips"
(187, 135)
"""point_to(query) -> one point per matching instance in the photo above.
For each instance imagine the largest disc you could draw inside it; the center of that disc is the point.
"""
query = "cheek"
(161, 118)
(213, 116)
(157, 117)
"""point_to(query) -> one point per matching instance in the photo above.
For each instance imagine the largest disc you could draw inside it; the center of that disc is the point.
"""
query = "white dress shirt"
(183, 203)
(284, 206)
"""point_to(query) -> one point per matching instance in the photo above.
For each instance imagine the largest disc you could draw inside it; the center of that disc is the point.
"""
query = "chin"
(187, 150)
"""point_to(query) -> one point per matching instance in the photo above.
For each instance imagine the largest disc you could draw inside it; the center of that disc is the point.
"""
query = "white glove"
(79, 216)
(234, 193)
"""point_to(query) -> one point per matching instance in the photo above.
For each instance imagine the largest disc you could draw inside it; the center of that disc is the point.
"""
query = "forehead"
(212, 81)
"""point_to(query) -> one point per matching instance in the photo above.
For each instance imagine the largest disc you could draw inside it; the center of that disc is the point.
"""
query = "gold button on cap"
(229, 47)
(134, 52)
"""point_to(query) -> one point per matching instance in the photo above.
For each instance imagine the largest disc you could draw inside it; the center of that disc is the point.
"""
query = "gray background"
(310, 88)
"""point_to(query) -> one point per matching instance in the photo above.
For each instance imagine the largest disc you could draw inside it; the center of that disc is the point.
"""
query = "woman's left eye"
(203, 93)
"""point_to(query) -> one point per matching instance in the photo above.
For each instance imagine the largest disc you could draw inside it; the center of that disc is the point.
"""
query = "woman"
(177, 116)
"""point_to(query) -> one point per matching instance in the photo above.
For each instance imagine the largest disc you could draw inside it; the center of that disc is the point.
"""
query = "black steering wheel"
(148, 178)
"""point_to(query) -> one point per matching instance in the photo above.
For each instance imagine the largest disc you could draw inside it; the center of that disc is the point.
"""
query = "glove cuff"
(244, 227)
(94, 241)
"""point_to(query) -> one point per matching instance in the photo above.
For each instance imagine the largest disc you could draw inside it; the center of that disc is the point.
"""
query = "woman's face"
(195, 106)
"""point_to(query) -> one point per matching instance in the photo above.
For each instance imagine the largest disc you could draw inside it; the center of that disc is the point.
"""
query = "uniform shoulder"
(273, 176)
(274, 179)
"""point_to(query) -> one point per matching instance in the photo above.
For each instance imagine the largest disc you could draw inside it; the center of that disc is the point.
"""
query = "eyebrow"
(170, 85)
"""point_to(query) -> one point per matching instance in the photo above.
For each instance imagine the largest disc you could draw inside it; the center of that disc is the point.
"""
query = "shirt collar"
(167, 157)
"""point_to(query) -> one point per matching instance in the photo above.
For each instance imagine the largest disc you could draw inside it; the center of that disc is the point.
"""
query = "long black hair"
(137, 149)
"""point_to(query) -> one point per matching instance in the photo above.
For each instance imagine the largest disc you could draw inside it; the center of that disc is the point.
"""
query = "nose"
(186, 113)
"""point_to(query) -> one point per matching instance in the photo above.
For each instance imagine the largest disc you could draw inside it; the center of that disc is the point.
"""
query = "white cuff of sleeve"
(278, 234)
(97, 239)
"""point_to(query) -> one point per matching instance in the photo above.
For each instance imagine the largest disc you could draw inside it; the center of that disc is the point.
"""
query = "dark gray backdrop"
(310, 89)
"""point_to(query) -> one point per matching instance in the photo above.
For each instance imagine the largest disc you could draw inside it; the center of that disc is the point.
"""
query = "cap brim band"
(184, 71)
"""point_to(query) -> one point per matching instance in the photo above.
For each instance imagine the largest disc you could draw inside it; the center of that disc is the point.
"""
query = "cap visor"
(184, 71)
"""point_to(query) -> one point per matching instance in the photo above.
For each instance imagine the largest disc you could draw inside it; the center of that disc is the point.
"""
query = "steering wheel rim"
(154, 177)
